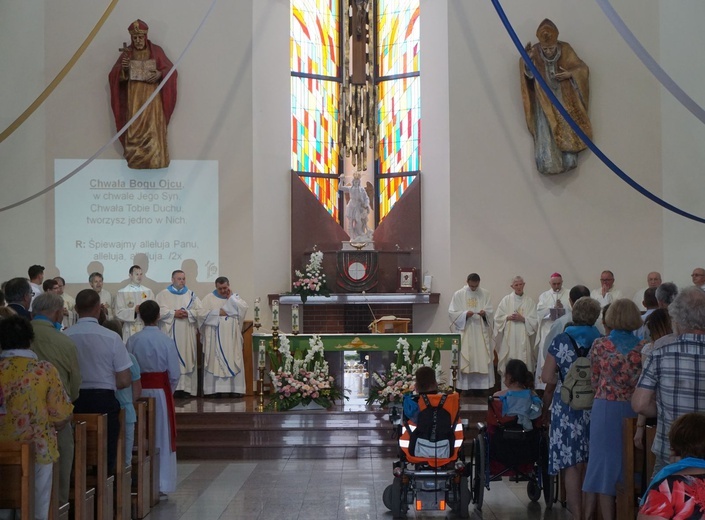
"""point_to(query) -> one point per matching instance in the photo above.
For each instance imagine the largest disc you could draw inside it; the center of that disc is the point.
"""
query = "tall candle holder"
(454, 362)
(295, 319)
(261, 365)
(258, 321)
(275, 326)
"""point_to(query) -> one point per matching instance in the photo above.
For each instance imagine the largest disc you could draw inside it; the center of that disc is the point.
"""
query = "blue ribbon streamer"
(649, 62)
(595, 149)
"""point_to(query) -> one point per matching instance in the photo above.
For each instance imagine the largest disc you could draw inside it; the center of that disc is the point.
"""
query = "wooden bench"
(81, 497)
(141, 464)
(123, 476)
(152, 450)
(638, 467)
(17, 477)
(97, 463)
(57, 511)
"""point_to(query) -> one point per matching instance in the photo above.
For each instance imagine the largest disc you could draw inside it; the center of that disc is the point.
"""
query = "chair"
(141, 464)
(97, 463)
(17, 477)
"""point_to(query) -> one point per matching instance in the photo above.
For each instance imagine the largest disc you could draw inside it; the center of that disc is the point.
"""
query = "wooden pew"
(17, 477)
(81, 496)
(141, 465)
(97, 463)
(638, 466)
(123, 476)
(57, 511)
(152, 449)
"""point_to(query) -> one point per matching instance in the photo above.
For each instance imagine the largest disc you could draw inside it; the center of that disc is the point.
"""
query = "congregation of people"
(96, 353)
(644, 359)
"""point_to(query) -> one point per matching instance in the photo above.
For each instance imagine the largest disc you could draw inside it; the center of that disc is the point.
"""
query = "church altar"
(362, 342)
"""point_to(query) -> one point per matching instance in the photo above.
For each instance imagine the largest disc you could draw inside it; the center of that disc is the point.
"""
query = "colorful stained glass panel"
(315, 37)
(390, 191)
(326, 191)
(314, 125)
(397, 36)
(399, 114)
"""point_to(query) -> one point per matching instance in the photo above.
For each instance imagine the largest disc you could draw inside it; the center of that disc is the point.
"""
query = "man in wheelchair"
(430, 471)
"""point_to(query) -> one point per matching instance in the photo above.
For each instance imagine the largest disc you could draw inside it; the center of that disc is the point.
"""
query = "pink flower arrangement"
(313, 280)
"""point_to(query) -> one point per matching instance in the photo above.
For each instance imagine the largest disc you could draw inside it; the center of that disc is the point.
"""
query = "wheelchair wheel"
(478, 482)
(387, 497)
(533, 490)
(464, 502)
(398, 508)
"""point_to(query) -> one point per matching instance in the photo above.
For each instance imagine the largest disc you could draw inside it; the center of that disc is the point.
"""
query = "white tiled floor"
(329, 489)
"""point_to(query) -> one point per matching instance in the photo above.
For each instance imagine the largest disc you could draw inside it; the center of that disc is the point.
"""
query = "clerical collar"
(183, 290)
(217, 295)
(134, 285)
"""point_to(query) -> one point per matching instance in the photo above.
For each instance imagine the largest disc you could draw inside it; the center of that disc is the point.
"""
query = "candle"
(257, 301)
(455, 353)
(262, 354)
(294, 318)
(275, 314)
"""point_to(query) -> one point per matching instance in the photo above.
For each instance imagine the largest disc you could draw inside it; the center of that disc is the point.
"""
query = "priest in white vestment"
(127, 303)
(221, 317)
(160, 372)
(106, 299)
(515, 324)
(179, 307)
(653, 280)
(606, 293)
(552, 305)
(470, 313)
(70, 316)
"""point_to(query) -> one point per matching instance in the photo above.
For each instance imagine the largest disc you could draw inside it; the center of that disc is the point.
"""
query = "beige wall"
(485, 206)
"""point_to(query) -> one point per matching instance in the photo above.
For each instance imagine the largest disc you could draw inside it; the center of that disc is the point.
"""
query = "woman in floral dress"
(616, 365)
(570, 429)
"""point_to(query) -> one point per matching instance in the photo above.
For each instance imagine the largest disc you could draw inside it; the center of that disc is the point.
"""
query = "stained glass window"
(315, 96)
(398, 98)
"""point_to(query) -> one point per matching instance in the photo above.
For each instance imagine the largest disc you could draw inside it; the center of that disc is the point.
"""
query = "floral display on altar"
(312, 281)
(303, 377)
(390, 386)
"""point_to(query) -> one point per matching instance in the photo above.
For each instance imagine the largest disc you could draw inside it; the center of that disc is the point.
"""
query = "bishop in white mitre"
(552, 305)
(127, 303)
(470, 313)
(220, 319)
(179, 309)
(515, 323)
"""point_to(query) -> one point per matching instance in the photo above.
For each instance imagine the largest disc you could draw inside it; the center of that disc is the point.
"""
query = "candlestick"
(262, 354)
(257, 318)
(275, 314)
(455, 358)
(295, 319)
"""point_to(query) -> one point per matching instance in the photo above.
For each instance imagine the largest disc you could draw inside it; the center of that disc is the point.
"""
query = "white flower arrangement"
(313, 280)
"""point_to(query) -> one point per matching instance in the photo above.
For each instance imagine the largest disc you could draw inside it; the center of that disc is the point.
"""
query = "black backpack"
(434, 435)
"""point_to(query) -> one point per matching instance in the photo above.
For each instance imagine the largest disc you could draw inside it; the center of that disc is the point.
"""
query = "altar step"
(218, 429)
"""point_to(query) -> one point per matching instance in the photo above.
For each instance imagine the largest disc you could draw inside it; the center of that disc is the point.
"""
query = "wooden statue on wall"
(134, 77)
(556, 146)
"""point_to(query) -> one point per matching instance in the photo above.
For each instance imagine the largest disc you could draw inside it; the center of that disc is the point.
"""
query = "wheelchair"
(503, 448)
(429, 483)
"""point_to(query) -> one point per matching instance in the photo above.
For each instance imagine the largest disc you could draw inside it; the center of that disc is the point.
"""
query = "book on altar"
(141, 70)
(556, 313)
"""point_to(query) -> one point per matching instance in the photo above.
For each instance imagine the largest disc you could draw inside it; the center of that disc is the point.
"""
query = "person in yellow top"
(36, 403)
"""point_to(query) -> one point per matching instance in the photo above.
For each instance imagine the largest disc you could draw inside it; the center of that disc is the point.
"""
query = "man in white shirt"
(606, 293)
(179, 314)
(470, 313)
(552, 305)
(127, 303)
(220, 319)
(515, 324)
(36, 279)
(105, 367)
(653, 280)
(106, 299)
(698, 277)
